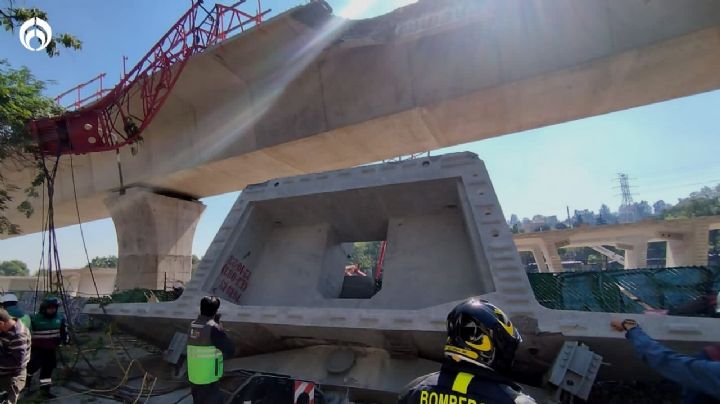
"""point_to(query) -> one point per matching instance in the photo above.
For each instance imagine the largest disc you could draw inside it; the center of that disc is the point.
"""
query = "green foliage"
(136, 295)
(694, 207)
(110, 261)
(21, 99)
(11, 18)
(365, 254)
(14, 268)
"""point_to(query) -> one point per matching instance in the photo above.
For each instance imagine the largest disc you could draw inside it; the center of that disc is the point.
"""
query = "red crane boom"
(120, 117)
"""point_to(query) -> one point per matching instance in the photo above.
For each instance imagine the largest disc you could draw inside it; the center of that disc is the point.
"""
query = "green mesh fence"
(685, 290)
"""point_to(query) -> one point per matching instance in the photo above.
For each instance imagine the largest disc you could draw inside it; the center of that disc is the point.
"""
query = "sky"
(668, 149)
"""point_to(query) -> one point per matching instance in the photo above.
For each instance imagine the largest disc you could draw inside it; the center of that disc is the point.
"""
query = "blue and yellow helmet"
(481, 333)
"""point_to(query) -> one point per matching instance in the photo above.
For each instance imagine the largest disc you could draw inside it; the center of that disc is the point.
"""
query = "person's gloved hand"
(623, 325)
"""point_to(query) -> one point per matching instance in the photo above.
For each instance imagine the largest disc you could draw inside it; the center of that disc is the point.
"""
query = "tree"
(578, 220)
(110, 261)
(659, 207)
(365, 254)
(607, 216)
(694, 207)
(12, 18)
(643, 209)
(14, 268)
(21, 100)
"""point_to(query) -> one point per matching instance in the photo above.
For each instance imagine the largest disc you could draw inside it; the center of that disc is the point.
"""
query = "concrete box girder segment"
(433, 74)
(277, 264)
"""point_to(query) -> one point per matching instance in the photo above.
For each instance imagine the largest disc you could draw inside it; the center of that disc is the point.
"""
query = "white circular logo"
(35, 28)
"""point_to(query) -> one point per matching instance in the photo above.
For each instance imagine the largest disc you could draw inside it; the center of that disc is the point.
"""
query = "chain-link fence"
(681, 290)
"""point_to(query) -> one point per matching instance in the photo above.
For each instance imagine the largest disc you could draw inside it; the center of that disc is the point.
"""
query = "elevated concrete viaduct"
(306, 91)
(687, 241)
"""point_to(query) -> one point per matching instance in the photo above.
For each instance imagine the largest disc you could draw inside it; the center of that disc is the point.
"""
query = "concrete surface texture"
(155, 234)
(687, 242)
(77, 282)
(275, 263)
(309, 92)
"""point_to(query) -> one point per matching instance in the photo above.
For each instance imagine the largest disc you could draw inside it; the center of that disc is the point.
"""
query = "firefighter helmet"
(480, 333)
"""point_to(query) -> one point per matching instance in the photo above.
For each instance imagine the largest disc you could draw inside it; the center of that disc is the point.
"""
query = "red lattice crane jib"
(119, 117)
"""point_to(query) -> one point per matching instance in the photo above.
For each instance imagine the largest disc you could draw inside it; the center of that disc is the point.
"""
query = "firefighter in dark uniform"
(480, 349)
(49, 330)
(206, 346)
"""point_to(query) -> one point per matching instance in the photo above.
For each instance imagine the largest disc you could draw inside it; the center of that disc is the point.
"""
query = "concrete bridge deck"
(687, 241)
(307, 91)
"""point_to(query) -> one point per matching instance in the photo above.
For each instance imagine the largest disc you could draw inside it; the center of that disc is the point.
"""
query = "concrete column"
(155, 234)
(678, 253)
(700, 244)
(554, 262)
(636, 255)
(688, 248)
(539, 259)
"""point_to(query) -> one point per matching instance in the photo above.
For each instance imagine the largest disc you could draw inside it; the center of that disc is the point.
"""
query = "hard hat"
(52, 301)
(8, 298)
(480, 333)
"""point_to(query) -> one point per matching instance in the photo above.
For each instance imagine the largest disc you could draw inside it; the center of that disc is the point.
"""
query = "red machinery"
(119, 117)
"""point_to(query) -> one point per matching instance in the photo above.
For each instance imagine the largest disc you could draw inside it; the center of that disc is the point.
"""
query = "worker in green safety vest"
(49, 330)
(9, 302)
(206, 346)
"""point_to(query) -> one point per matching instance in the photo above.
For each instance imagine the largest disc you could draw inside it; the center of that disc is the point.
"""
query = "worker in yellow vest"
(206, 346)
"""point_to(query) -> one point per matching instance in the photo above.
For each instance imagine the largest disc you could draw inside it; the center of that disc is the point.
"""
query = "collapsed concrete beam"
(278, 264)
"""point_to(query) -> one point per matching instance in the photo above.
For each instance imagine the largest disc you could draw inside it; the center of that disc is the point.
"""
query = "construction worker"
(206, 346)
(14, 356)
(9, 302)
(480, 348)
(49, 330)
(699, 376)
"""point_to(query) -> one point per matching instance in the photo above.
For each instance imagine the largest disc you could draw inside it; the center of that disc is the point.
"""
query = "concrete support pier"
(539, 259)
(635, 253)
(552, 257)
(155, 234)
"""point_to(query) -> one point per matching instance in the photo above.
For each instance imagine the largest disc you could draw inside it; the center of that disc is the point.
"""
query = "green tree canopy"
(694, 207)
(14, 268)
(21, 100)
(365, 253)
(110, 261)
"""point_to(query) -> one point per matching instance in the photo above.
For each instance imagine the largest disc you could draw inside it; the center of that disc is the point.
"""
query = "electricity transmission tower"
(627, 208)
